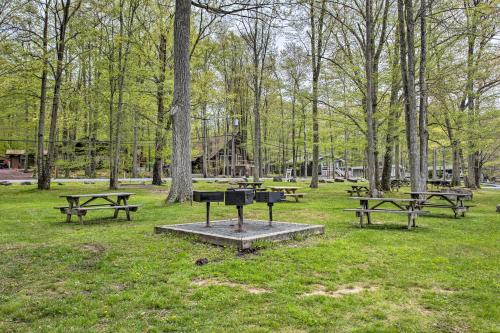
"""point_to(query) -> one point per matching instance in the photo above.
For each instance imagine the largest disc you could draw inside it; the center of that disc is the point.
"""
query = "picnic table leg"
(80, 216)
(116, 210)
(368, 216)
(69, 211)
(361, 219)
(127, 211)
(462, 206)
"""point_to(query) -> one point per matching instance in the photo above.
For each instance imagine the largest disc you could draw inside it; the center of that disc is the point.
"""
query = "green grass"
(118, 276)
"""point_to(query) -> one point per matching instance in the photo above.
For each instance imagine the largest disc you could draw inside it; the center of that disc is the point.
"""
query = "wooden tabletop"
(249, 183)
(441, 193)
(97, 195)
(385, 199)
(283, 187)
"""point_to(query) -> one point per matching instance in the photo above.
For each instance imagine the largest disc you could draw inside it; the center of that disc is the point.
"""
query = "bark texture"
(181, 189)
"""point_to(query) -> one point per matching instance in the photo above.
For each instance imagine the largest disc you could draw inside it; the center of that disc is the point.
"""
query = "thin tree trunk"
(135, 153)
(294, 151)
(370, 151)
(160, 115)
(57, 93)
(316, 55)
(397, 158)
(42, 177)
(123, 53)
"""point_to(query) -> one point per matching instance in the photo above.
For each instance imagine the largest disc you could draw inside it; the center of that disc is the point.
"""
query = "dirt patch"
(159, 191)
(320, 290)
(437, 290)
(95, 248)
(214, 282)
(118, 287)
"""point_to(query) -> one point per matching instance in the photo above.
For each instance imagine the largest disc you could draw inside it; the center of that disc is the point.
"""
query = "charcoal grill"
(208, 197)
(239, 198)
(270, 198)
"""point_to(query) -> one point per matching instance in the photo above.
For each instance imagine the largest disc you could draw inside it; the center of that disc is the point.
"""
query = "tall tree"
(181, 108)
(126, 25)
(43, 182)
(257, 34)
(62, 26)
(317, 40)
(406, 26)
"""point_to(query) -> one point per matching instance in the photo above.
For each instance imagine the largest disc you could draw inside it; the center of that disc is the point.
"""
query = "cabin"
(15, 158)
(220, 159)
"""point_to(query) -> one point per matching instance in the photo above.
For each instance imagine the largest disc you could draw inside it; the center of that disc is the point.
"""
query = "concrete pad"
(224, 232)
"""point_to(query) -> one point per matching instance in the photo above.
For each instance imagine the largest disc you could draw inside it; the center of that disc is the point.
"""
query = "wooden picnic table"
(399, 206)
(288, 191)
(254, 185)
(359, 190)
(80, 209)
(453, 201)
(439, 183)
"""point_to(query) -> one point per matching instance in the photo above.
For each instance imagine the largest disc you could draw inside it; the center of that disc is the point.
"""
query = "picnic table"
(439, 183)
(246, 184)
(453, 201)
(288, 191)
(399, 206)
(359, 190)
(75, 207)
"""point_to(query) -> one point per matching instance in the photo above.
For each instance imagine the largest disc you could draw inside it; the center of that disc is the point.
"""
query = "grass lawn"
(118, 276)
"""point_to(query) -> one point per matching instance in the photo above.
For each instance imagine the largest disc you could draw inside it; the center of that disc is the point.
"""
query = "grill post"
(270, 205)
(240, 218)
(208, 215)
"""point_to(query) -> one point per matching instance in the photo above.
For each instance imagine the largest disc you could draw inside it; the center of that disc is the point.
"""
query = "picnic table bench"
(359, 190)
(80, 209)
(452, 200)
(400, 206)
(288, 191)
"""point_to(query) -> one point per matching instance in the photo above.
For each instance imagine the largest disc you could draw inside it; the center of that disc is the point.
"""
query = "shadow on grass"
(446, 216)
(388, 226)
(95, 221)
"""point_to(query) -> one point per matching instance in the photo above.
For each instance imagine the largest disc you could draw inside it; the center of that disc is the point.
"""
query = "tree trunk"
(294, 151)
(135, 153)
(160, 115)
(423, 133)
(316, 55)
(370, 151)
(397, 158)
(257, 149)
(434, 164)
(407, 52)
(57, 94)
(123, 53)
(392, 128)
(43, 182)
(305, 145)
(181, 189)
